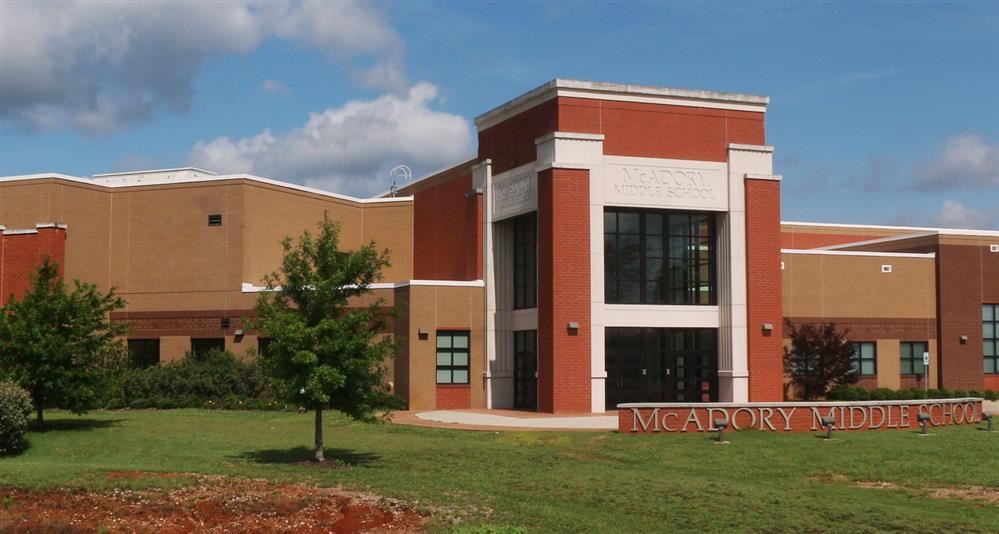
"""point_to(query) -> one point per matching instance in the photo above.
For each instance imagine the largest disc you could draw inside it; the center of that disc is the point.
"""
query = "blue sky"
(881, 113)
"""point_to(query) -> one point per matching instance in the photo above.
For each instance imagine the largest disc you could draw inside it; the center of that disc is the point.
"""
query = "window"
(201, 346)
(215, 220)
(658, 257)
(452, 357)
(990, 337)
(912, 357)
(865, 358)
(143, 353)
(525, 272)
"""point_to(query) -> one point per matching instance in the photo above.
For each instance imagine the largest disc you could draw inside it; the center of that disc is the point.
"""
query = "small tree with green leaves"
(819, 358)
(60, 344)
(325, 351)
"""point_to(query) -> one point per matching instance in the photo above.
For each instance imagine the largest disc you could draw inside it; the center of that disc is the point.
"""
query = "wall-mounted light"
(768, 328)
(238, 334)
(964, 340)
(573, 325)
(423, 333)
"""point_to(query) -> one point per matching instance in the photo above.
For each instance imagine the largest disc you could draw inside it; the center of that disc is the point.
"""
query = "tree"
(325, 351)
(818, 359)
(58, 344)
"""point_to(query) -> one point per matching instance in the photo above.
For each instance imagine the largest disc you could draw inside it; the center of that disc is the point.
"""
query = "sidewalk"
(506, 420)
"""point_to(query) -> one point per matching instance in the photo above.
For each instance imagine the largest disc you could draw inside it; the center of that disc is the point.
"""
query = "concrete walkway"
(506, 420)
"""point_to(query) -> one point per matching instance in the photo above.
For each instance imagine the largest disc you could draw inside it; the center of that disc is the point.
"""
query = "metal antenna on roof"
(399, 173)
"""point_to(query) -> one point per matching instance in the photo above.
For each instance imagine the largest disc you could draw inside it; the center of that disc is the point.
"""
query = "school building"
(608, 243)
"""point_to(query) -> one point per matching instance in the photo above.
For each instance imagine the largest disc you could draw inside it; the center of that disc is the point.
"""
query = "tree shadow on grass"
(299, 455)
(60, 425)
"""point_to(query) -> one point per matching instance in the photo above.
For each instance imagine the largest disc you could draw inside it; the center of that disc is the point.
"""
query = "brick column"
(763, 290)
(966, 277)
(563, 290)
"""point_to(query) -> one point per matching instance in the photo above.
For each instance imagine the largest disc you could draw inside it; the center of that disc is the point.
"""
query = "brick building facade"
(608, 243)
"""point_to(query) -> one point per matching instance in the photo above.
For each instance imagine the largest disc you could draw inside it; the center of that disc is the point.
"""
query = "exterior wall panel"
(563, 291)
(766, 366)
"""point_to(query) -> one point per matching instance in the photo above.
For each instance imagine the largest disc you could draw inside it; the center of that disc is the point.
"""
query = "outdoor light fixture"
(768, 327)
(573, 325)
(238, 334)
(721, 425)
(964, 339)
(924, 423)
(423, 333)
(988, 417)
(829, 423)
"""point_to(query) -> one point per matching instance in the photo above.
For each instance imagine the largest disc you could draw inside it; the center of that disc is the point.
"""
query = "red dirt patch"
(212, 504)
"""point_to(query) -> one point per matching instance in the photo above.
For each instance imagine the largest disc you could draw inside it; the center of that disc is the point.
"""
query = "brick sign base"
(647, 418)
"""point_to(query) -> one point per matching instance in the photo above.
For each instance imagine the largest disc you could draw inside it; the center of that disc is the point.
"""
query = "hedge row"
(848, 393)
(214, 380)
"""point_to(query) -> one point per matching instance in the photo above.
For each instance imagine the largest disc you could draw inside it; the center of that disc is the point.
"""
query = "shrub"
(215, 376)
(15, 407)
(848, 393)
(882, 394)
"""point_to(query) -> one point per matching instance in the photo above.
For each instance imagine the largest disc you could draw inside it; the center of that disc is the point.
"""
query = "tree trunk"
(319, 436)
(40, 419)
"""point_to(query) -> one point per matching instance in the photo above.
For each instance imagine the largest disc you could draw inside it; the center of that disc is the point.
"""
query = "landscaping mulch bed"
(211, 504)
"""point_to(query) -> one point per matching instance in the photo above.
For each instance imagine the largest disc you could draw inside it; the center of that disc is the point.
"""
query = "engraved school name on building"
(666, 183)
(798, 417)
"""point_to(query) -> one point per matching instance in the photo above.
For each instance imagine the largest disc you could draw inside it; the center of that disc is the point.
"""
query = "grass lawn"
(552, 481)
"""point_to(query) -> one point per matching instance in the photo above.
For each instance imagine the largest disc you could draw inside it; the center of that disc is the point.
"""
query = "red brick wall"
(661, 131)
(967, 277)
(21, 254)
(799, 417)
(447, 232)
(867, 382)
(763, 277)
(992, 382)
(454, 397)
(510, 143)
(798, 240)
(563, 291)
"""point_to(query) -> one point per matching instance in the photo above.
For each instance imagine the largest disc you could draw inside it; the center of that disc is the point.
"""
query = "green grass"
(549, 481)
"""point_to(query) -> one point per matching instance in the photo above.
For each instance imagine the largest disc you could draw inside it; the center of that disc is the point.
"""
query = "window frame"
(451, 350)
(525, 266)
(858, 359)
(214, 341)
(994, 340)
(913, 358)
(144, 362)
(694, 260)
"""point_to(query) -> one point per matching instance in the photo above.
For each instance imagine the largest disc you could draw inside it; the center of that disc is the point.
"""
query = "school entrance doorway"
(661, 365)
(525, 370)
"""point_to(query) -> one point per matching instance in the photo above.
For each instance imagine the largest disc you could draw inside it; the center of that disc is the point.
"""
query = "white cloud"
(964, 160)
(348, 149)
(96, 66)
(274, 87)
(953, 214)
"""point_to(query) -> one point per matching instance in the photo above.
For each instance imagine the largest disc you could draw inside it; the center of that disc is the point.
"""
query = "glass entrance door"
(661, 365)
(525, 370)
